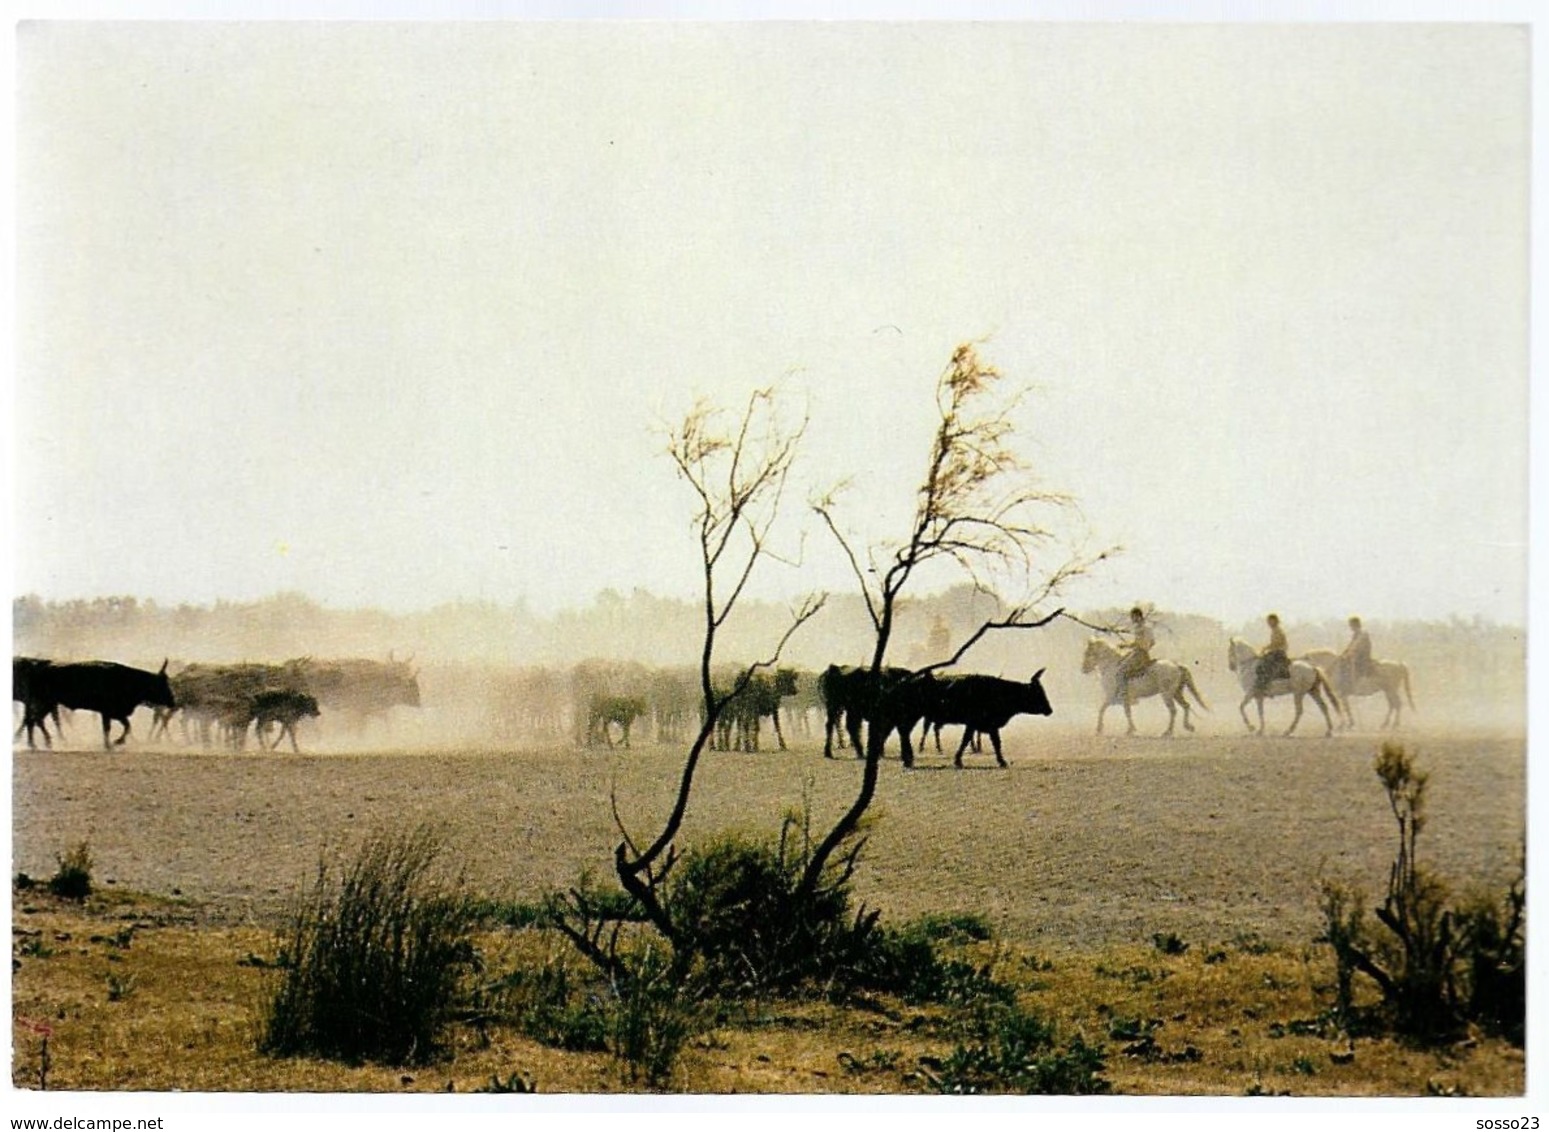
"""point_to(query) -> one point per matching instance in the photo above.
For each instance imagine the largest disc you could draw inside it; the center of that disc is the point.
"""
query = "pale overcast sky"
(388, 314)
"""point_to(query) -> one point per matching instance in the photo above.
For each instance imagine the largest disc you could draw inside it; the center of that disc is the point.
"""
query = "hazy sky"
(390, 314)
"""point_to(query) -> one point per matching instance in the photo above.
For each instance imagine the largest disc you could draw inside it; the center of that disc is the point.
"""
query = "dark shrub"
(907, 962)
(744, 926)
(744, 922)
(72, 880)
(1494, 955)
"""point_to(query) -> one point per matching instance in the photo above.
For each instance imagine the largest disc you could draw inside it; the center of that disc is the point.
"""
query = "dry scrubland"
(1077, 856)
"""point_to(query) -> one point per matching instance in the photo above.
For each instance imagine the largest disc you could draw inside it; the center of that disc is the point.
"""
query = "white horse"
(1385, 676)
(1306, 679)
(1163, 678)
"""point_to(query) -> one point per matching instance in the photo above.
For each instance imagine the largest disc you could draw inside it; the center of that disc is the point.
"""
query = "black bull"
(897, 700)
(24, 670)
(111, 690)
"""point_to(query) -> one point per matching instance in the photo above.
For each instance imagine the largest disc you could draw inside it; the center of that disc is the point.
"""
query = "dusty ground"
(1084, 842)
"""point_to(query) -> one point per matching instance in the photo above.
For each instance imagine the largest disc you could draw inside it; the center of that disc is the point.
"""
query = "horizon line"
(521, 604)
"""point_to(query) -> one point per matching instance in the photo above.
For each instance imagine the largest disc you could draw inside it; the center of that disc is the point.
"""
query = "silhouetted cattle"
(591, 680)
(932, 724)
(23, 669)
(213, 697)
(262, 710)
(982, 705)
(111, 690)
(231, 719)
(840, 686)
(674, 697)
(892, 700)
(759, 699)
(285, 709)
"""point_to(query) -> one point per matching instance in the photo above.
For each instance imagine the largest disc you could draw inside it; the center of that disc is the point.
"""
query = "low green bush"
(376, 960)
(553, 1005)
(737, 904)
(653, 1018)
(954, 927)
(1010, 1051)
(908, 961)
(743, 927)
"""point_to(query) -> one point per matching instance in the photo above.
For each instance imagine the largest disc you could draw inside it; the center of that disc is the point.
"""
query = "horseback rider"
(1274, 658)
(1135, 653)
(1356, 660)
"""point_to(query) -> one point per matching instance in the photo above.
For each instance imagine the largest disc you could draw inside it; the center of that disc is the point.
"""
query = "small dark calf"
(284, 708)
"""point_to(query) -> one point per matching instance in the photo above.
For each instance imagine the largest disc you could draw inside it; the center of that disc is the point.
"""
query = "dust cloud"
(501, 677)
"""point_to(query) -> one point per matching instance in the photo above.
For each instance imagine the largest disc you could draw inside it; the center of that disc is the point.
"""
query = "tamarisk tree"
(783, 915)
(737, 467)
(979, 508)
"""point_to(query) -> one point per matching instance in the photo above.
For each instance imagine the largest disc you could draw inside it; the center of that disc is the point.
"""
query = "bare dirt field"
(1083, 842)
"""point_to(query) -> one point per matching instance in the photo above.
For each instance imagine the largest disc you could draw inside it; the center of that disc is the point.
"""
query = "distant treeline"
(1465, 671)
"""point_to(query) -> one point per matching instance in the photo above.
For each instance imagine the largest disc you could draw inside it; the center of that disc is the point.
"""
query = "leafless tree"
(738, 468)
(978, 507)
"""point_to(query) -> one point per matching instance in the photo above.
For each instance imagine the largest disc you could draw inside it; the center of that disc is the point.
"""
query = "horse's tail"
(1188, 682)
(1404, 668)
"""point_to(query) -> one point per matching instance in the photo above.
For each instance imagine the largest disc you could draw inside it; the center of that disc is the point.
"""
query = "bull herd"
(603, 703)
(212, 703)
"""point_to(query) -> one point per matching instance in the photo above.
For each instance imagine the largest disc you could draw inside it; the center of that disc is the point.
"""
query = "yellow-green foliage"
(1224, 1017)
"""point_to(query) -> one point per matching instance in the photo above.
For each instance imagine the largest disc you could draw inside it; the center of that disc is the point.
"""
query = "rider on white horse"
(1274, 658)
(1163, 678)
(1357, 657)
(1137, 653)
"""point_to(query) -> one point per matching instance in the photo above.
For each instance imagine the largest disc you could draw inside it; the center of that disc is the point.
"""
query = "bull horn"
(164, 665)
(1036, 675)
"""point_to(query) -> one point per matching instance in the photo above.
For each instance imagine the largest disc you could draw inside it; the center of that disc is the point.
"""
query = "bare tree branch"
(1094, 626)
(824, 508)
(977, 507)
(808, 610)
(613, 804)
(1012, 622)
(738, 475)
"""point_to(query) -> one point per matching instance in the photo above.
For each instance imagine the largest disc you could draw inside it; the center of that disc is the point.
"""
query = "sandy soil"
(1084, 841)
